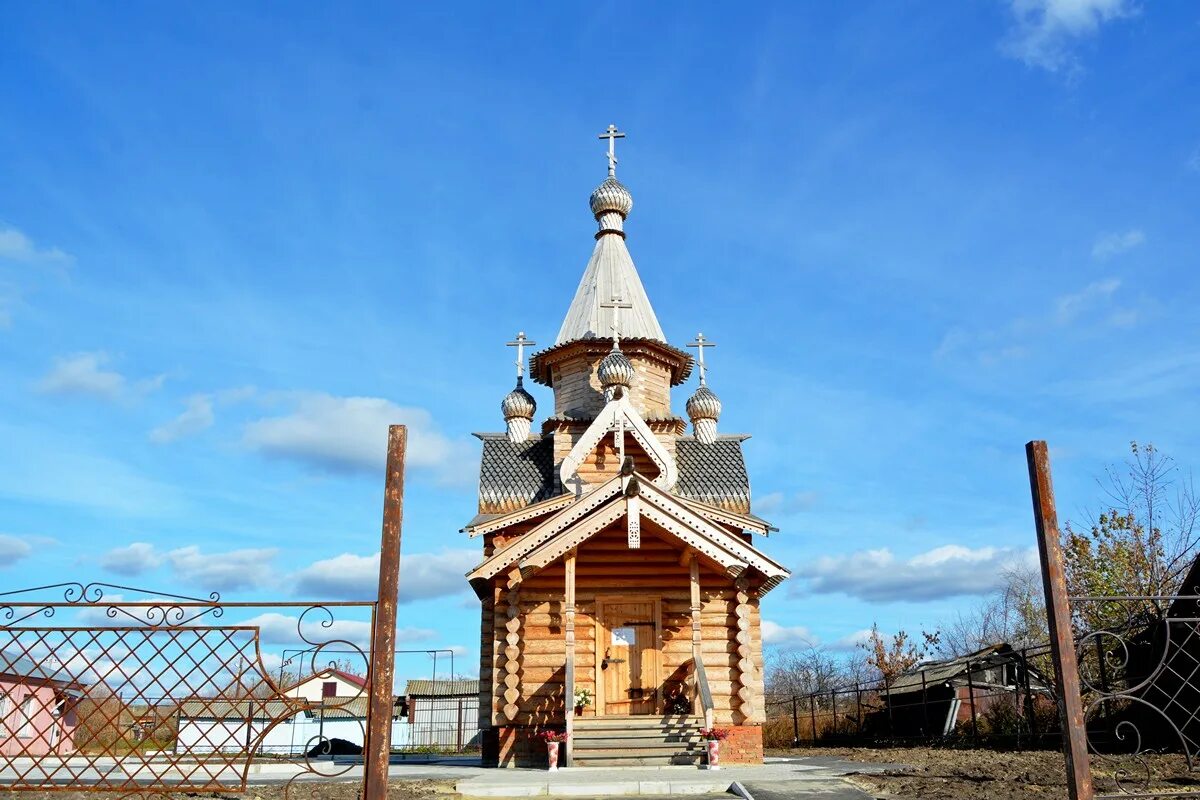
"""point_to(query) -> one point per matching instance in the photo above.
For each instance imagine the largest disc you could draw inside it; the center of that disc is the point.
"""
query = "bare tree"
(1141, 543)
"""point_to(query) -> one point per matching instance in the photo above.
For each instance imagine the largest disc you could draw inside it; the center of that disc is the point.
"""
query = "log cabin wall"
(606, 567)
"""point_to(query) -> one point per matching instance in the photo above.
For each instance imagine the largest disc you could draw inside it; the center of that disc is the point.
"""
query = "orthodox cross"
(616, 304)
(612, 134)
(700, 344)
(521, 342)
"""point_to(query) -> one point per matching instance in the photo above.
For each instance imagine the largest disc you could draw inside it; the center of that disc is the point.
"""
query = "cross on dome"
(521, 342)
(700, 344)
(616, 304)
(612, 134)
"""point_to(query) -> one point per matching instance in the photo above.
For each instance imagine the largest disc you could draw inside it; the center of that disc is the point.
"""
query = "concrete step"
(627, 742)
(637, 741)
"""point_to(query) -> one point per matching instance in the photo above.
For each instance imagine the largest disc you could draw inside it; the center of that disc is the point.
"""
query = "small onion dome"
(615, 370)
(704, 409)
(611, 196)
(518, 408)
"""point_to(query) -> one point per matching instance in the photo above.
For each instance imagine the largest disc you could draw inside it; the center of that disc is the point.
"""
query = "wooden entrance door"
(628, 638)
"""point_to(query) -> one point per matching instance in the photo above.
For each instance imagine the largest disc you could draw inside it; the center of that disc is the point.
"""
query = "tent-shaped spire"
(610, 273)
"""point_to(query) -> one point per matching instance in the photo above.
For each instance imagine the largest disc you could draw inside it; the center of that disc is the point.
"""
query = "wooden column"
(745, 652)
(569, 628)
(697, 641)
(512, 647)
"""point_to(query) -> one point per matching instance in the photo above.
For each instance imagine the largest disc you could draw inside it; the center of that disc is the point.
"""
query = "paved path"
(815, 778)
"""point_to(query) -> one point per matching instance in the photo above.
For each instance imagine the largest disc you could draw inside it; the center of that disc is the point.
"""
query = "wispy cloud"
(1112, 244)
(878, 576)
(780, 635)
(132, 559)
(786, 502)
(1094, 305)
(89, 374)
(13, 549)
(354, 577)
(16, 246)
(196, 416)
(350, 434)
(235, 569)
(1045, 32)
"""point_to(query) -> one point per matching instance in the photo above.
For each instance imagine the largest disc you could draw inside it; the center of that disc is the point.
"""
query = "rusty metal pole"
(383, 638)
(1058, 615)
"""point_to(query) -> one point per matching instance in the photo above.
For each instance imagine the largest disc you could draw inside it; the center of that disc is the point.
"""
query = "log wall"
(606, 567)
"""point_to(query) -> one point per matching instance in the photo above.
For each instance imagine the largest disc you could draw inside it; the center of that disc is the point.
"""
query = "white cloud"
(1111, 244)
(83, 373)
(787, 503)
(196, 416)
(1070, 307)
(277, 629)
(1046, 30)
(13, 549)
(133, 559)
(851, 641)
(1094, 304)
(16, 246)
(353, 577)
(350, 434)
(236, 569)
(775, 634)
(878, 576)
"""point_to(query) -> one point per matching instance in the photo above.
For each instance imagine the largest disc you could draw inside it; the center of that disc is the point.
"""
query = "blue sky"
(236, 240)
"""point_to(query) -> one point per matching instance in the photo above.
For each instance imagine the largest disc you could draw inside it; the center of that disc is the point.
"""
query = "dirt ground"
(944, 774)
(397, 790)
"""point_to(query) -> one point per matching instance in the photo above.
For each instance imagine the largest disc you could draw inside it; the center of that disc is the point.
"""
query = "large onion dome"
(518, 407)
(611, 196)
(615, 370)
(704, 409)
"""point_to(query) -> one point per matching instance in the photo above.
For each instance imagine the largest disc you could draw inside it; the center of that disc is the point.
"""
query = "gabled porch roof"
(569, 526)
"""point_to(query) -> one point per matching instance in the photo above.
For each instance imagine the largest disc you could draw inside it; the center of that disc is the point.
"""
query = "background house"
(326, 705)
(37, 707)
(934, 697)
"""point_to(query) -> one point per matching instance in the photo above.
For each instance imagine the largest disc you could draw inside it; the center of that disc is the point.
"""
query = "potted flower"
(583, 699)
(553, 739)
(712, 740)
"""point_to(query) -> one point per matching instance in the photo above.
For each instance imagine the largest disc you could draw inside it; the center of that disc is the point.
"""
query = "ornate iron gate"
(1129, 695)
(111, 688)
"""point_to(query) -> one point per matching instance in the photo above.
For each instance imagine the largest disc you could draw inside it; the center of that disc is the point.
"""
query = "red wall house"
(37, 708)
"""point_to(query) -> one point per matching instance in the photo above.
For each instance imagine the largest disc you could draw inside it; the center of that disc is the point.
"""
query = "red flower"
(714, 734)
(552, 736)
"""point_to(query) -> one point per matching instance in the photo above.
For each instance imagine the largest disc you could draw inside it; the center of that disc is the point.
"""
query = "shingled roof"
(512, 476)
(714, 473)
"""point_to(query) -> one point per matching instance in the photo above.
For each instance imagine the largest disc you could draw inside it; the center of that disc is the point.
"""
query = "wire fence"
(1001, 700)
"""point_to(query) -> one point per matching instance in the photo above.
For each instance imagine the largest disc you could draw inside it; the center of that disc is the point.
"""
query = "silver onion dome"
(704, 409)
(615, 370)
(518, 407)
(611, 196)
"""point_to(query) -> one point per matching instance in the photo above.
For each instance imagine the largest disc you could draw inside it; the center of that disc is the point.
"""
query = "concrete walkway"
(779, 778)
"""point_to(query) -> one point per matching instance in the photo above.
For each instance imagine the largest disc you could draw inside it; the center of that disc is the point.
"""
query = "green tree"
(1140, 544)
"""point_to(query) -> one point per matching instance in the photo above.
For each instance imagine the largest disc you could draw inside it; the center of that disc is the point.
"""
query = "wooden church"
(619, 552)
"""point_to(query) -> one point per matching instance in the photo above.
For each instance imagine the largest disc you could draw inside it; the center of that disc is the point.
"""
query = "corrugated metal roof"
(335, 708)
(610, 273)
(938, 672)
(22, 666)
(441, 688)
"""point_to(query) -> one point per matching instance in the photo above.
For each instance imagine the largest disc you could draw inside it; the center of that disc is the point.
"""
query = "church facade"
(619, 561)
